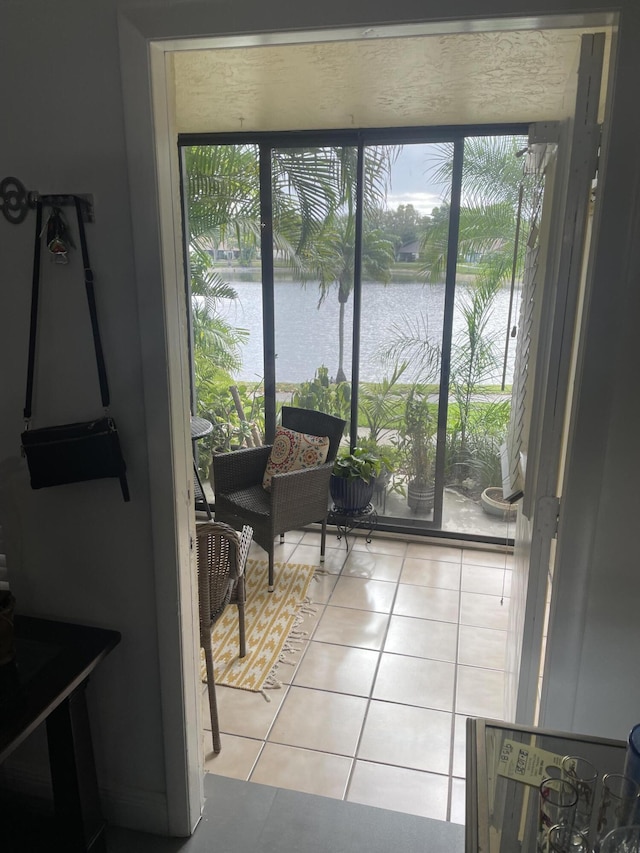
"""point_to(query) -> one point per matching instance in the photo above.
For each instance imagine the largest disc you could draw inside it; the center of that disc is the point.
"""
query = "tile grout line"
(452, 743)
(265, 739)
(347, 787)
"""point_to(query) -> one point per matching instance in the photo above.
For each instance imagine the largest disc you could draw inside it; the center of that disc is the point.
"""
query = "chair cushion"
(246, 503)
(292, 451)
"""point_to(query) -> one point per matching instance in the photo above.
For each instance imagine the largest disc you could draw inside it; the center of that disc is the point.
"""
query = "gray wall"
(79, 552)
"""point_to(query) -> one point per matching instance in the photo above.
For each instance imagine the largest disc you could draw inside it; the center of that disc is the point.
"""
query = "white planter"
(493, 503)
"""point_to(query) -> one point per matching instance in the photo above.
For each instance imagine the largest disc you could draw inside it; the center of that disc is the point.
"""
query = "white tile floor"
(406, 641)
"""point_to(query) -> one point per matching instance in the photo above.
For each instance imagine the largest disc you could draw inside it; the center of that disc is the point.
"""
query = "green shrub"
(320, 395)
(362, 464)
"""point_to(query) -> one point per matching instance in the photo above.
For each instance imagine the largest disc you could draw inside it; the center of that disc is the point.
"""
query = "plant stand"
(346, 521)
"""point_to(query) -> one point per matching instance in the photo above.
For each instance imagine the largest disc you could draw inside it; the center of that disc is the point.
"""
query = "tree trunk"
(241, 414)
(340, 375)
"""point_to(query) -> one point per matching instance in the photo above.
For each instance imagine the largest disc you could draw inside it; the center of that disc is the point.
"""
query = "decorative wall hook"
(16, 201)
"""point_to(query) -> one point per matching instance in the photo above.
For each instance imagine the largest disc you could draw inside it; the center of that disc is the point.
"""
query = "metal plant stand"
(346, 521)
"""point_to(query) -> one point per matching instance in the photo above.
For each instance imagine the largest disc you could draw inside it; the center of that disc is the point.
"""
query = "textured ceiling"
(468, 78)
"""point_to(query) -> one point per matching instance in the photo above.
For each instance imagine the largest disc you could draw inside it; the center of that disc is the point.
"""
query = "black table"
(199, 428)
(502, 811)
(46, 682)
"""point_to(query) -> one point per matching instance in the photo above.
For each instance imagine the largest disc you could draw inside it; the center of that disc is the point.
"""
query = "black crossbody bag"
(87, 450)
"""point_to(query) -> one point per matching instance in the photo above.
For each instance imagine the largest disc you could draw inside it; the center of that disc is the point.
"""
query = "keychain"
(58, 238)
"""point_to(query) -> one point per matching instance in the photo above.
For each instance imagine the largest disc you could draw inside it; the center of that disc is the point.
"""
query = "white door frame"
(161, 320)
(154, 188)
(553, 374)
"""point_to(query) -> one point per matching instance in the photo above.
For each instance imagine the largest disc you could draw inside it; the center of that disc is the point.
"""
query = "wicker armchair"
(296, 498)
(221, 558)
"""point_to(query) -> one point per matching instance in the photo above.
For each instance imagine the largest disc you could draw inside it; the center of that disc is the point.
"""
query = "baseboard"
(27, 780)
(132, 808)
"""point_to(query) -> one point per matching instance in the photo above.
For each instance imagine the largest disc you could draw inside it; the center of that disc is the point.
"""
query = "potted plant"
(416, 443)
(493, 503)
(354, 477)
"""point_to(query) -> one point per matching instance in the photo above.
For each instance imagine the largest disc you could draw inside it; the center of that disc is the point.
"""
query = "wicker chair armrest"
(239, 469)
(300, 497)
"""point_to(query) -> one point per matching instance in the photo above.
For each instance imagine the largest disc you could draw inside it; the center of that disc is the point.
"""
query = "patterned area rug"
(270, 618)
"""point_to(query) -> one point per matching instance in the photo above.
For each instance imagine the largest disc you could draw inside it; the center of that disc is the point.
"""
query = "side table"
(45, 683)
(199, 428)
(346, 521)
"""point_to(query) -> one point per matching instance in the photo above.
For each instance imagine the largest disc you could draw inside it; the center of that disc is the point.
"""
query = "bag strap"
(33, 326)
(91, 299)
(35, 288)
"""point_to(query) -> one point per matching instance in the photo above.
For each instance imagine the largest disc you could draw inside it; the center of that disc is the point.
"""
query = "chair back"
(218, 545)
(315, 423)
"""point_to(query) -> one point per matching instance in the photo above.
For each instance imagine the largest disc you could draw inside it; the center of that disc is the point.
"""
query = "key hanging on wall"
(58, 237)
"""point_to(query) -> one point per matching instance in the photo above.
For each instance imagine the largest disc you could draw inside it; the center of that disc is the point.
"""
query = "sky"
(412, 180)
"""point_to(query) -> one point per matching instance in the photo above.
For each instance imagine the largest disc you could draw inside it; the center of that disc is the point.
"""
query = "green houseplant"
(354, 477)
(416, 443)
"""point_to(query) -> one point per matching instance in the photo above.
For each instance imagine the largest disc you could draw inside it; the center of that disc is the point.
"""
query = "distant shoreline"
(284, 274)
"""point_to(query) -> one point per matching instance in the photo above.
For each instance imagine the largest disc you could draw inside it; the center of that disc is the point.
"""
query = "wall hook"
(16, 201)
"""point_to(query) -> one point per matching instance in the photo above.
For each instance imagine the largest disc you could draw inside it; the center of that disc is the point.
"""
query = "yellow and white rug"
(270, 619)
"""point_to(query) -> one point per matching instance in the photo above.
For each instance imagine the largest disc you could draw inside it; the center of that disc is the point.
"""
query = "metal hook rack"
(16, 201)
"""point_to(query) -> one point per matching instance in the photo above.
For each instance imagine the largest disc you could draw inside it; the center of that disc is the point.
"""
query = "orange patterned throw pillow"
(292, 451)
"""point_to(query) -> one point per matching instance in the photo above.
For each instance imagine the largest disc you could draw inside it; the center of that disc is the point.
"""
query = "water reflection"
(307, 336)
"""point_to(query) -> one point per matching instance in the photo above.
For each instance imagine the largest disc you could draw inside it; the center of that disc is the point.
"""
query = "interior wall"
(79, 552)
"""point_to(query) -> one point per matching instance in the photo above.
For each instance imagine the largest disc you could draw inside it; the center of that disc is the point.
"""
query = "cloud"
(423, 202)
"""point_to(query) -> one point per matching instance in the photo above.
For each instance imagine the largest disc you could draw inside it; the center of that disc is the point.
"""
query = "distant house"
(222, 254)
(409, 252)
(474, 257)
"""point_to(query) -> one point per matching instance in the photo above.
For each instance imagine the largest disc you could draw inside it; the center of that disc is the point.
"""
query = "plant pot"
(493, 503)
(419, 497)
(381, 485)
(352, 496)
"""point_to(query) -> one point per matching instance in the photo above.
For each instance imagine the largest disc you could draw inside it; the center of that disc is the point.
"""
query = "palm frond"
(411, 344)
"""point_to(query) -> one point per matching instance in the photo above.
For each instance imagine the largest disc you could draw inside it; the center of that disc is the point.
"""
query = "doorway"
(165, 157)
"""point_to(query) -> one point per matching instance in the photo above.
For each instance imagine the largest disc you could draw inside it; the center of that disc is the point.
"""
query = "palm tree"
(223, 201)
(311, 190)
(223, 194)
(213, 337)
(494, 197)
(491, 202)
(337, 267)
(491, 180)
(332, 256)
(319, 228)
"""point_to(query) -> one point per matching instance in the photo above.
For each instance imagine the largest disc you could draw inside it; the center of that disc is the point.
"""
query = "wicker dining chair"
(296, 499)
(221, 559)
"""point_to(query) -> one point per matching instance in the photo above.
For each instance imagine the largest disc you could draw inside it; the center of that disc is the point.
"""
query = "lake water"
(307, 334)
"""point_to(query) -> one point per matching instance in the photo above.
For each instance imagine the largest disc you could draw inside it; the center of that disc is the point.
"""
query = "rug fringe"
(292, 644)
